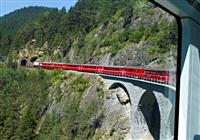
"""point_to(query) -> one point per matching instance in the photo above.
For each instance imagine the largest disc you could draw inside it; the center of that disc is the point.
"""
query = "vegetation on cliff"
(23, 99)
(92, 28)
(14, 22)
(36, 105)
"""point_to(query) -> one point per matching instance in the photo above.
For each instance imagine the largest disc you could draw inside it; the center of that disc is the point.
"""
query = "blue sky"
(7, 6)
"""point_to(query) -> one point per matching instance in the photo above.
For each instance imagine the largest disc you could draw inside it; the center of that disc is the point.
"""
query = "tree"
(63, 10)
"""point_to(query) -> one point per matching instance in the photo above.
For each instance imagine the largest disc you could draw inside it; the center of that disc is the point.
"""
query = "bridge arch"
(149, 108)
(120, 85)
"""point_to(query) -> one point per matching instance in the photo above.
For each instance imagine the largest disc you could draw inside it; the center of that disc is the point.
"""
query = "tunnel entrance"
(33, 59)
(149, 107)
(23, 62)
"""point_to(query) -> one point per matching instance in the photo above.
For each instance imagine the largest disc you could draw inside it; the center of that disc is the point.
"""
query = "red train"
(167, 77)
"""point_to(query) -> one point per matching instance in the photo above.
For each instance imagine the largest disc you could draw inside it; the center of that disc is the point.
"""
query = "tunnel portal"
(23, 62)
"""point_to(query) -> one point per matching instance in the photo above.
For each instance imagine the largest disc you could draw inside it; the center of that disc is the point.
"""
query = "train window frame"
(138, 70)
(178, 67)
(187, 16)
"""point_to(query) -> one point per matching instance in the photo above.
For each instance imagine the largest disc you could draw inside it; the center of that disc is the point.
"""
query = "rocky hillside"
(121, 32)
(59, 105)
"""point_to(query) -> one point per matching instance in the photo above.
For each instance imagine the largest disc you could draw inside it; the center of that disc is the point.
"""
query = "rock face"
(125, 57)
(102, 60)
(122, 96)
(131, 57)
(103, 114)
(116, 122)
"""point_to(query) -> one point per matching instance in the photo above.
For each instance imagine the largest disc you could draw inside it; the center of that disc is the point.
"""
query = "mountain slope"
(12, 22)
(93, 31)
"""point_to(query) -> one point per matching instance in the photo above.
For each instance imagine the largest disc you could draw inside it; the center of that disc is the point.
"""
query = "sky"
(7, 6)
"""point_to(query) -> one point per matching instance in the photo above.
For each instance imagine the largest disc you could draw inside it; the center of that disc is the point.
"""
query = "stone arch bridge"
(152, 106)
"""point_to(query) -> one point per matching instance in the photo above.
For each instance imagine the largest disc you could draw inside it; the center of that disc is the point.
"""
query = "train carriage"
(138, 73)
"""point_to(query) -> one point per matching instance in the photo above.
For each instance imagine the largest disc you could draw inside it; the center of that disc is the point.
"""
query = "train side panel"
(140, 73)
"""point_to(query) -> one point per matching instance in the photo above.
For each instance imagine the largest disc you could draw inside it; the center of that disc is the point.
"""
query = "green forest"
(56, 26)
(89, 25)
(25, 103)
(12, 23)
